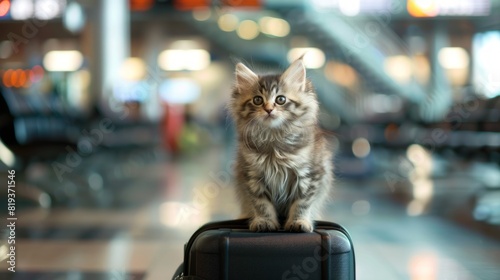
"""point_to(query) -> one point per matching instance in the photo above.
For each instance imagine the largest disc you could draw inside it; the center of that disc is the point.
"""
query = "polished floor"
(134, 227)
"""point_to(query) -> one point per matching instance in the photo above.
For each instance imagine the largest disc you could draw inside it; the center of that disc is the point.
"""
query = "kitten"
(283, 169)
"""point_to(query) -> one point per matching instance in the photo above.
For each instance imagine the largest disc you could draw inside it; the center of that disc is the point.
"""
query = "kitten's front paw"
(263, 224)
(299, 226)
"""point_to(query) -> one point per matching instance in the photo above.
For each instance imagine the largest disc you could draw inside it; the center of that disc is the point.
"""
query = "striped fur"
(284, 167)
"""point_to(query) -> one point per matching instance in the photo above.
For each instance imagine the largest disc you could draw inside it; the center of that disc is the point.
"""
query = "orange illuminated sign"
(4, 7)
(196, 4)
(141, 5)
(191, 4)
(423, 8)
(242, 3)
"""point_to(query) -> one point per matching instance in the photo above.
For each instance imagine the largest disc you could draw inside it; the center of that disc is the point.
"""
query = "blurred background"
(113, 116)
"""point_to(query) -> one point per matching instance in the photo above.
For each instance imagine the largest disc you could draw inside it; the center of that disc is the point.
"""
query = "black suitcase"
(229, 251)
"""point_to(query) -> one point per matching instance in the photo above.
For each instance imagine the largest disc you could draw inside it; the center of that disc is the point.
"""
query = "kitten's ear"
(295, 75)
(244, 76)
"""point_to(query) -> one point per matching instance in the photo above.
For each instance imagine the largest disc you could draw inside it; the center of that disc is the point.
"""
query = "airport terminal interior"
(116, 142)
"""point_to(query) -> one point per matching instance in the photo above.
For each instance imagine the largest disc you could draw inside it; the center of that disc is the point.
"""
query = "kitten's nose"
(268, 107)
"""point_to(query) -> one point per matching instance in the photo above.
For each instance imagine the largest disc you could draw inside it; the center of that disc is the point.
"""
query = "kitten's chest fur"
(279, 163)
(279, 173)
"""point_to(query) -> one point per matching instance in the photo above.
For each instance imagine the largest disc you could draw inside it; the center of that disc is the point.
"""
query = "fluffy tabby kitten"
(283, 167)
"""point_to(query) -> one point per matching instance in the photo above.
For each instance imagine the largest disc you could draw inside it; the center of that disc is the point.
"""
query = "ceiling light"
(313, 57)
(63, 61)
(274, 26)
(133, 69)
(21, 9)
(248, 30)
(398, 67)
(453, 58)
(202, 14)
(177, 60)
(228, 22)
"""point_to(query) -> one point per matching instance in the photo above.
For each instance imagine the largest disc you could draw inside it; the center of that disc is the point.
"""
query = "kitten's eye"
(281, 100)
(257, 100)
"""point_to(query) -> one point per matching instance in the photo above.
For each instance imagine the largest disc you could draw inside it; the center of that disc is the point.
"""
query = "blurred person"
(173, 123)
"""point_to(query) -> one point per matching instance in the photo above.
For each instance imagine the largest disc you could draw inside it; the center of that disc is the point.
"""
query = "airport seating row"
(65, 158)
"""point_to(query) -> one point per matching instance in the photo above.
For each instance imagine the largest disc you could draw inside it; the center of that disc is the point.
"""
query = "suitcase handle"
(243, 224)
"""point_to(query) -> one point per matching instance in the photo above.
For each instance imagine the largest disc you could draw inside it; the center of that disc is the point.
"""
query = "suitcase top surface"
(234, 245)
(247, 242)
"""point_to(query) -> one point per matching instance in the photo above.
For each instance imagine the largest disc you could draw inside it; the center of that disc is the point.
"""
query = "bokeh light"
(4, 7)
(313, 57)
(248, 30)
(274, 26)
(228, 22)
(22, 9)
(63, 61)
(399, 67)
(361, 147)
(133, 69)
(202, 14)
